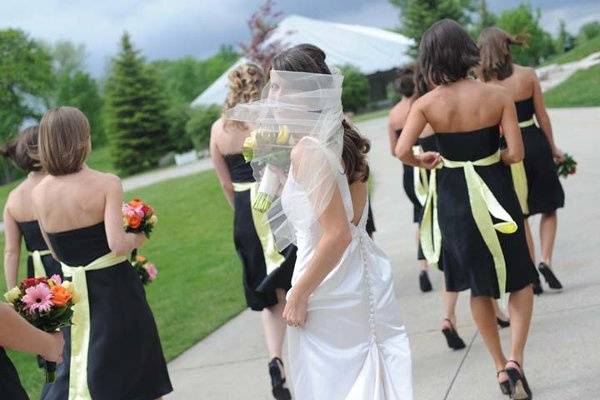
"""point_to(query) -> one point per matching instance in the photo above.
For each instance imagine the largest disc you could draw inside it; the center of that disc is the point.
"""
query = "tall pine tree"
(138, 126)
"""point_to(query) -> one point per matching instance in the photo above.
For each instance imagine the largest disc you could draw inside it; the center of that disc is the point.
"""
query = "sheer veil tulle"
(297, 133)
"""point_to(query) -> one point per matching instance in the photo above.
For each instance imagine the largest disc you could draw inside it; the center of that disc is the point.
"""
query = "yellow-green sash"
(38, 265)
(420, 179)
(80, 330)
(525, 124)
(273, 259)
(519, 178)
(483, 204)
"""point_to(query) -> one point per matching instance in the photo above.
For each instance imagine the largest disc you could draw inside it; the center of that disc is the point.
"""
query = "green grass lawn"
(371, 115)
(580, 90)
(583, 50)
(199, 283)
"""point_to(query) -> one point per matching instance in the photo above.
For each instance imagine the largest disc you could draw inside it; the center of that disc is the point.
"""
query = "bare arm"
(542, 116)
(221, 167)
(512, 133)
(415, 124)
(12, 248)
(392, 136)
(119, 241)
(18, 334)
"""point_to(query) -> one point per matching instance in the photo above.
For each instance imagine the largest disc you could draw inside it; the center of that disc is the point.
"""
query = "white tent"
(369, 49)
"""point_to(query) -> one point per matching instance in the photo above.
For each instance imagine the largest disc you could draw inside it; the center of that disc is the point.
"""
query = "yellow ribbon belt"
(273, 259)
(519, 178)
(527, 123)
(80, 330)
(420, 179)
(483, 204)
(38, 265)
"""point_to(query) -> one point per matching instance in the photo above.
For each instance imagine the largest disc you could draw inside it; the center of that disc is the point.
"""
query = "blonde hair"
(64, 140)
(494, 49)
(246, 83)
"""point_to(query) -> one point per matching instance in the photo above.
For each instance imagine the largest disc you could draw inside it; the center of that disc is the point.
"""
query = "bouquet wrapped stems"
(567, 167)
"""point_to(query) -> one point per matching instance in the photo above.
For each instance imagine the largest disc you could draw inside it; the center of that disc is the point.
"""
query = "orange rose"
(136, 202)
(134, 221)
(140, 259)
(60, 296)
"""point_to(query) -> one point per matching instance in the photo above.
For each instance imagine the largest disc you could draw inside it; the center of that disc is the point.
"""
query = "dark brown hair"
(405, 81)
(496, 60)
(422, 86)
(310, 58)
(246, 82)
(64, 140)
(447, 53)
(23, 150)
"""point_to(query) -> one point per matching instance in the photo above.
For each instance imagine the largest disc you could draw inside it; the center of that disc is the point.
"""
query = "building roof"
(367, 48)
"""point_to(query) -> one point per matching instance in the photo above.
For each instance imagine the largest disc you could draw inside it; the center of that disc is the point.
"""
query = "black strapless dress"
(467, 260)
(35, 241)
(260, 278)
(409, 187)
(125, 358)
(545, 190)
(10, 384)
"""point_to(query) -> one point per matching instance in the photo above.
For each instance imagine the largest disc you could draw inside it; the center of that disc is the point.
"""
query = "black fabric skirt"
(10, 384)
(259, 284)
(545, 190)
(125, 358)
(467, 261)
(409, 188)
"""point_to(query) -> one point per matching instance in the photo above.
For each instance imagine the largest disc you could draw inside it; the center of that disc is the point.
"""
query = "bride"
(345, 336)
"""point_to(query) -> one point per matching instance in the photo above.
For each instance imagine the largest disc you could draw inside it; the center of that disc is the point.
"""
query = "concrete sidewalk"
(563, 354)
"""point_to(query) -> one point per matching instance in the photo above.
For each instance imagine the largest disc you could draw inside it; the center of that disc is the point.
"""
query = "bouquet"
(567, 167)
(272, 150)
(146, 270)
(46, 303)
(138, 217)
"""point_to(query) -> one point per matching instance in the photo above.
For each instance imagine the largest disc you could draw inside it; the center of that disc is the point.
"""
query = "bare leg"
(274, 326)
(520, 306)
(422, 263)
(530, 243)
(548, 226)
(450, 300)
(482, 309)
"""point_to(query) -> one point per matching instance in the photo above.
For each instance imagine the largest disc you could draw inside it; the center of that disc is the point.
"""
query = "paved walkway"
(563, 357)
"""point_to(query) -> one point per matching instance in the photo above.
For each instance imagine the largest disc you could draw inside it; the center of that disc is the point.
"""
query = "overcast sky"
(176, 28)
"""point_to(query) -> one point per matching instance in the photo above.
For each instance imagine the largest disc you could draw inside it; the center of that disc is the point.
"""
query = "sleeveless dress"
(125, 358)
(545, 190)
(34, 241)
(409, 187)
(264, 268)
(468, 262)
(353, 345)
(10, 384)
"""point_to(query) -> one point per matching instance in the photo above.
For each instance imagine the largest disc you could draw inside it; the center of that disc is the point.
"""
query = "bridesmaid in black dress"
(267, 273)
(19, 218)
(545, 193)
(482, 240)
(18, 334)
(113, 350)
(405, 86)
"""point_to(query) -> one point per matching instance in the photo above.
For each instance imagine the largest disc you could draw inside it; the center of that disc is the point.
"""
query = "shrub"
(355, 89)
(199, 124)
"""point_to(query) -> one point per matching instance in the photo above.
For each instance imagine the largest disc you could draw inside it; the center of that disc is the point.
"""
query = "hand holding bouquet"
(567, 167)
(47, 304)
(271, 149)
(146, 270)
(138, 217)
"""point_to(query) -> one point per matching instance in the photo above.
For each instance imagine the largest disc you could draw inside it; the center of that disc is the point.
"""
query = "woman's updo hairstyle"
(246, 83)
(496, 59)
(23, 150)
(405, 81)
(310, 58)
(447, 53)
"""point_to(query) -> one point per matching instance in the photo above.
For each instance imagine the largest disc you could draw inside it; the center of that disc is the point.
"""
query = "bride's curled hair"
(246, 82)
(310, 58)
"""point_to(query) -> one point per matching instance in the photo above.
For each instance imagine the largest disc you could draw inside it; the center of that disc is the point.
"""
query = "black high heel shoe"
(424, 282)
(504, 386)
(278, 383)
(519, 387)
(549, 276)
(503, 323)
(537, 287)
(454, 341)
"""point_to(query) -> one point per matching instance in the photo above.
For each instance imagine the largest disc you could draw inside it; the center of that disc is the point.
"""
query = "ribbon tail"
(520, 182)
(38, 266)
(429, 231)
(80, 339)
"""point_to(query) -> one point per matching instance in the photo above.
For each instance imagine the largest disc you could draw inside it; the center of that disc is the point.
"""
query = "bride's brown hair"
(246, 82)
(494, 49)
(310, 58)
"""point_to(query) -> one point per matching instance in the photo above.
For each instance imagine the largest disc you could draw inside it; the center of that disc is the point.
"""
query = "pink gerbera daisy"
(38, 298)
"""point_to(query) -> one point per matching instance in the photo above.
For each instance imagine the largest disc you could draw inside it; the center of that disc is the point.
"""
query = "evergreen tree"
(136, 112)
(418, 15)
(565, 41)
(485, 18)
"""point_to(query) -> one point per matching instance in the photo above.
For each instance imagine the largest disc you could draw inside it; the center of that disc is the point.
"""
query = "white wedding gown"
(353, 346)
